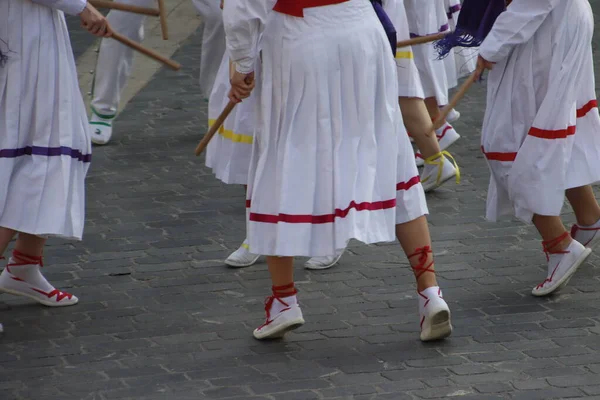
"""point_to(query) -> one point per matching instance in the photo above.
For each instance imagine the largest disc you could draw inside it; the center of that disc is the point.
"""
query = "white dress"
(409, 82)
(540, 132)
(228, 153)
(45, 147)
(424, 19)
(330, 131)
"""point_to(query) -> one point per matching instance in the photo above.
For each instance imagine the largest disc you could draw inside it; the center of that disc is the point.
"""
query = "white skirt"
(228, 153)
(424, 19)
(409, 82)
(444, 12)
(325, 158)
(536, 146)
(45, 147)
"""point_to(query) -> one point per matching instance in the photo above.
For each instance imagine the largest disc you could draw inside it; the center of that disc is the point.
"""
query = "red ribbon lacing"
(548, 246)
(24, 259)
(279, 292)
(421, 267)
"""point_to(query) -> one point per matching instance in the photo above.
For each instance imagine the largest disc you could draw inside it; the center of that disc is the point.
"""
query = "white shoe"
(562, 266)
(438, 170)
(12, 281)
(283, 315)
(242, 257)
(453, 116)
(446, 136)
(101, 127)
(326, 262)
(435, 315)
(587, 236)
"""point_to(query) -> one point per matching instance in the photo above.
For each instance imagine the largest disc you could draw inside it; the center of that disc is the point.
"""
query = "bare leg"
(585, 205)
(30, 245)
(282, 271)
(551, 228)
(414, 235)
(6, 235)
(433, 310)
(417, 121)
(433, 108)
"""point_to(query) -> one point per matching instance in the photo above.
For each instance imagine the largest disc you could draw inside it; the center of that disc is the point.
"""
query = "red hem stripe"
(551, 134)
(544, 134)
(338, 213)
(589, 106)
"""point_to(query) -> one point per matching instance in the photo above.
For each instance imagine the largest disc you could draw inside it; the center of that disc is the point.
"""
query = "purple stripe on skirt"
(453, 10)
(46, 151)
(443, 28)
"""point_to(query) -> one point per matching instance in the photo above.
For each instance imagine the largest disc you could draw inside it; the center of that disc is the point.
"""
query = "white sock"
(586, 233)
(278, 306)
(29, 273)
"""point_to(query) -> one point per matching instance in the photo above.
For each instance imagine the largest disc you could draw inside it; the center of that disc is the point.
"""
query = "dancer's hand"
(95, 22)
(482, 65)
(241, 86)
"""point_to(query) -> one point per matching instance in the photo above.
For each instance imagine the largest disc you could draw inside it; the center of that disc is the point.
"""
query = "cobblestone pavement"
(161, 317)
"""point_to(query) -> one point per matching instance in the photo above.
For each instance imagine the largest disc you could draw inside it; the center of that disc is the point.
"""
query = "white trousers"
(115, 59)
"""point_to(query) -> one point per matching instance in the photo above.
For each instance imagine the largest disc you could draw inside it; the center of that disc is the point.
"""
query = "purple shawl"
(475, 22)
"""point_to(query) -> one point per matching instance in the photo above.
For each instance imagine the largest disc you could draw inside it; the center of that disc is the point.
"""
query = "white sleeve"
(515, 26)
(72, 7)
(244, 21)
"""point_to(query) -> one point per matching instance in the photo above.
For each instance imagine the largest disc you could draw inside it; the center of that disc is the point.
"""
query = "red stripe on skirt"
(338, 213)
(544, 134)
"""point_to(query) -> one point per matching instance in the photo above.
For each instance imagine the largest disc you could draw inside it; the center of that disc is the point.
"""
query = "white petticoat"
(45, 147)
(324, 166)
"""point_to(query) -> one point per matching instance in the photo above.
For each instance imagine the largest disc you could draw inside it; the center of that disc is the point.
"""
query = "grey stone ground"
(161, 317)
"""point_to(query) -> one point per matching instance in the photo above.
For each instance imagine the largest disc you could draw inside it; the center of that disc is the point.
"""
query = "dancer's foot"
(326, 262)
(283, 314)
(562, 265)
(589, 236)
(446, 136)
(438, 170)
(23, 277)
(242, 257)
(101, 127)
(435, 315)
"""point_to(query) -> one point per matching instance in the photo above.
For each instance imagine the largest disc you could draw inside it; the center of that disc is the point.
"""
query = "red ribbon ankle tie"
(548, 245)
(278, 293)
(423, 253)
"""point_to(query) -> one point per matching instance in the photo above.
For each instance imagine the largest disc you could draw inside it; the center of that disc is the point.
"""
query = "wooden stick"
(215, 128)
(422, 39)
(146, 51)
(439, 122)
(124, 7)
(163, 19)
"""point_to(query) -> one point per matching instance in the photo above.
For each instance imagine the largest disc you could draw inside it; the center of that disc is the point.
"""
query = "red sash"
(296, 8)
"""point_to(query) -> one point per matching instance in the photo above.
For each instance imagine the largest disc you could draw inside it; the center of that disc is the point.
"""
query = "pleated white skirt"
(45, 147)
(228, 153)
(324, 165)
